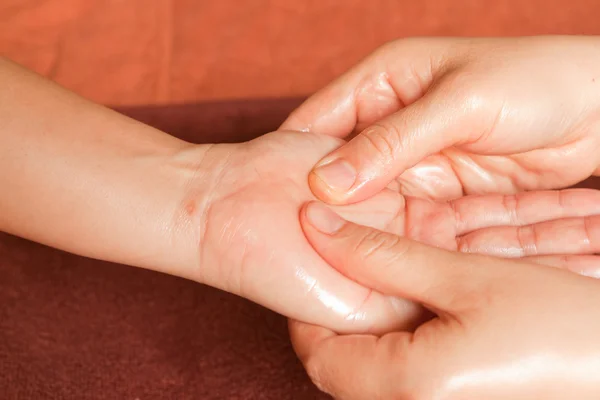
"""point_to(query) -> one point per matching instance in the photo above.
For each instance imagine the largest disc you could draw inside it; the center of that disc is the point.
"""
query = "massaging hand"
(251, 242)
(502, 330)
(468, 115)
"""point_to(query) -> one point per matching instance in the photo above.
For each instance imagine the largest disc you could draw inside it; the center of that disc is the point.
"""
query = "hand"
(243, 206)
(449, 117)
(502, 330)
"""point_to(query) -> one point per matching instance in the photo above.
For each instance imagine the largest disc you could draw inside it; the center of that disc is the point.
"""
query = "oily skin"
(82, 178)
(502, 329)
(447, 117)
(251, 242)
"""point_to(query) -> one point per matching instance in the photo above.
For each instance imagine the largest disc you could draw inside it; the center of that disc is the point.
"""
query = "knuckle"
(374, 242)
(377, 244)
(362, 246)
(527, 239)
(385, 139)
(510, 203)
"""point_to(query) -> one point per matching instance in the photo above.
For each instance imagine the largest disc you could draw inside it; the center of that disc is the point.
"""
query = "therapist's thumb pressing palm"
(492, 115)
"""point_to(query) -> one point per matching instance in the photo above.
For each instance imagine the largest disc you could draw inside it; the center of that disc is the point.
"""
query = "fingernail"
(338, 174)
(323, 219)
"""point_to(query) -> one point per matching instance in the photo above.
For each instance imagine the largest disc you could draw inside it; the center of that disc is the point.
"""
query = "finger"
(352, 366)
(392, 77)
(440, 223)
(562, 236)
(583, 265)
(394, 265)
(380, 153)
(478, 212)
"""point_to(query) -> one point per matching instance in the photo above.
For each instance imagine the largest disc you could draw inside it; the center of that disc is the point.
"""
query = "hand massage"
(414, 219)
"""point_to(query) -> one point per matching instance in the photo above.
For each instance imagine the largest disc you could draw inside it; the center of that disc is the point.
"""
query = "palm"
(254, 241)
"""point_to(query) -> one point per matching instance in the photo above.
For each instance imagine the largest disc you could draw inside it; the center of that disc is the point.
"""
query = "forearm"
(85, 179)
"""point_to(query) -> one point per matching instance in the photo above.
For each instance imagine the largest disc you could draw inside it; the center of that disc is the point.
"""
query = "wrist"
(202, 173)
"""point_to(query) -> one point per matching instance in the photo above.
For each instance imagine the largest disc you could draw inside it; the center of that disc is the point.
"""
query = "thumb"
(380, 153)
(395, 266)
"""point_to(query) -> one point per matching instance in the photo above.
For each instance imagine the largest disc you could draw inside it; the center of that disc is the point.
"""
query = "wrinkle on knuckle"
(510, 203)
(362, 244)
(377, 244)
(384, 139)
(527, 239)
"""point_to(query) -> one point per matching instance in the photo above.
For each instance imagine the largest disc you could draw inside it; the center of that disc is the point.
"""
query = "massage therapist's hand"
(503, 329)
(469, 115)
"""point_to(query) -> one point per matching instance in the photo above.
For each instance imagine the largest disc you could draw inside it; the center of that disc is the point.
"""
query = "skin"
(501, 330)
(85, 179)
(448, 117)
(252, 244)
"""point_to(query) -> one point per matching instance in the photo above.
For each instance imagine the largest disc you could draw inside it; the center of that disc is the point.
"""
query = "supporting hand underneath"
(502, 329)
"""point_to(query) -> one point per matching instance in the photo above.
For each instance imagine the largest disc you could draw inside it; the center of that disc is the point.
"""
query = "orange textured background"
(206, 71)
(130, 52)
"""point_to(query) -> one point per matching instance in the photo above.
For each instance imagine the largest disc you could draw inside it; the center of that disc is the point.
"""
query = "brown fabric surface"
(180, 51)
(74, 328)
